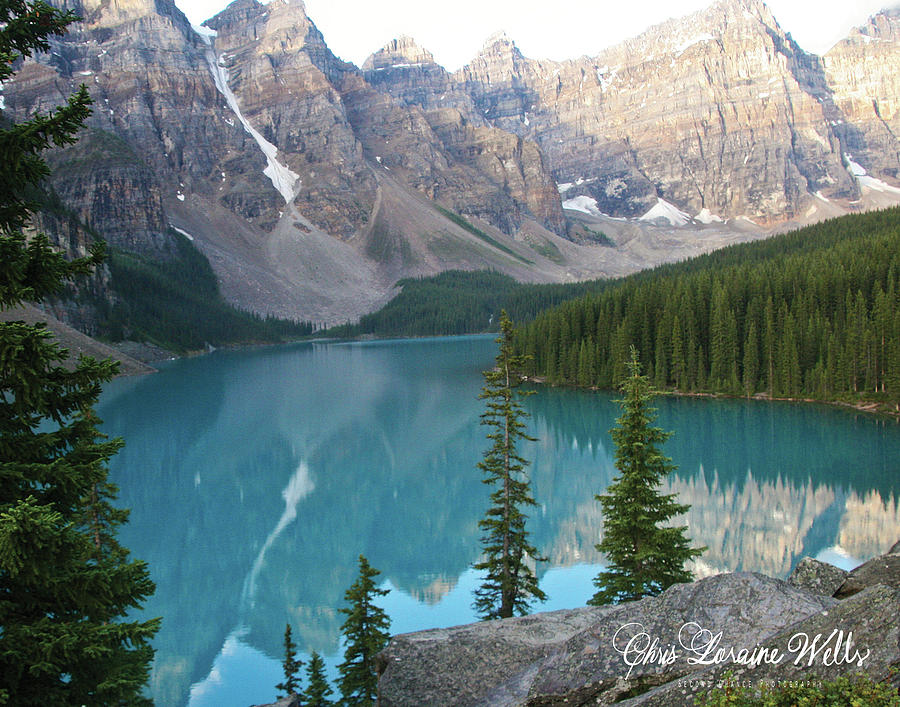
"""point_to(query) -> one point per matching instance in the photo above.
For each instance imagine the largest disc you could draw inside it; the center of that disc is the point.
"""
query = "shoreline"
(865, 406)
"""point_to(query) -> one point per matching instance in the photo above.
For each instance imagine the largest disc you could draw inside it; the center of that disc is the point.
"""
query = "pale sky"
(543, 29)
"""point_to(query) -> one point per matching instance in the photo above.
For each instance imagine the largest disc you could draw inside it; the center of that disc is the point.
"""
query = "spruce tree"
(751, 361)
(65, 582)
(510, 584)
(290, 665)
(317, 687)
(643, 556)
(366, 632)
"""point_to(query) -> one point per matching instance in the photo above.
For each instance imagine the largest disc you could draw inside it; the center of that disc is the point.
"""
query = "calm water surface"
(256, 478)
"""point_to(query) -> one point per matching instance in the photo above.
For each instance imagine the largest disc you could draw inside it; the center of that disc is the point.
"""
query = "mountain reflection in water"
(257, 477)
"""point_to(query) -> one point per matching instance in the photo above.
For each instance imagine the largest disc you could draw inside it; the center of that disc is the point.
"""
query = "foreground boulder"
(590, 655)
(817, 577)
(663, 651)
(859, 635)
(879, 570)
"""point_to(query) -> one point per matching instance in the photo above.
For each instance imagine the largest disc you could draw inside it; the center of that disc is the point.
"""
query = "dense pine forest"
(177, 304)
(173, 302)
(462, 302)
(813, 313)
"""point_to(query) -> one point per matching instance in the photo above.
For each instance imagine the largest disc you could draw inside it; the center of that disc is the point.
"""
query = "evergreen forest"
(177, 304)
(462, 302)
(814, 313)
(173, 301)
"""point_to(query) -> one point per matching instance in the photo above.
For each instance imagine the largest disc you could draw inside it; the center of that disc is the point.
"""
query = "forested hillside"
(176, 304)
(810, 313)
(460, 302)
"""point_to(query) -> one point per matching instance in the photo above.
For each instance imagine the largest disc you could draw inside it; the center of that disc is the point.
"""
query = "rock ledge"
(662, 650)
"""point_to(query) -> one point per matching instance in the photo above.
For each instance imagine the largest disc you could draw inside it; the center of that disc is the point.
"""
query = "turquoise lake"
(255, 479)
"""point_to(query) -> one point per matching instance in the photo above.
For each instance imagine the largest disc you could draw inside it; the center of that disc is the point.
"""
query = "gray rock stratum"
(658, 651)
(313, 185)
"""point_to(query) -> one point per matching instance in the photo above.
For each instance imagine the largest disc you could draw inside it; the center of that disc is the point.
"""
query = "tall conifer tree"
(290, 665)
(751, 360)
(317, 687)
(643, 556)
(366, 632)
(65, 582)
(510, 584)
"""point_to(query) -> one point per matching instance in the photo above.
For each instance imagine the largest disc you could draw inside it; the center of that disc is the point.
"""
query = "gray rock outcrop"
(879, 570)
(662, 651)
(817, 577)
(582, 652)
(859, 635)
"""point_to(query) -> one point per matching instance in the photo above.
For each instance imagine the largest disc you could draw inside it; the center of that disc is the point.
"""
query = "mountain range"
(313, 185)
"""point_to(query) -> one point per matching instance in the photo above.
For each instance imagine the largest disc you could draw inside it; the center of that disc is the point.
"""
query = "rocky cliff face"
(719, 113)
(251, 135)
(276, 64)
(507, 177)
(863, 74)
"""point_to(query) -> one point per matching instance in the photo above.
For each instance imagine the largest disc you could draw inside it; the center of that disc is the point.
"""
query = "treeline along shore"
(810, 314)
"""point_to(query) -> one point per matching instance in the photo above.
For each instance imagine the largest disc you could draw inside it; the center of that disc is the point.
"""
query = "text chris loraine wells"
(700, 646)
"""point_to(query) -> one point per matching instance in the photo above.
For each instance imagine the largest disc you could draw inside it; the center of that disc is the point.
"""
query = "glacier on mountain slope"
(283, 179)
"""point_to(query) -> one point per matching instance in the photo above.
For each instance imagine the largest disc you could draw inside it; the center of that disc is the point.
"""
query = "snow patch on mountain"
(582, 203)
(705, 216)
(685, 45)
(183, 233)
(865, 180)
(666, 212)
(283, 179)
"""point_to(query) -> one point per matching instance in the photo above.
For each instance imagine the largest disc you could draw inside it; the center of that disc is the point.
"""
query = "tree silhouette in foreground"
(643, 558)
(66, 585)
(290, 665)
(510, 584)
(366, 632)
(317, 687)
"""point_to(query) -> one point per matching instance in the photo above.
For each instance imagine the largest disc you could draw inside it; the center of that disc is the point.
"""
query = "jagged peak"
(498, 46)
(708, 24)
(122, 10)
(400, 52)
(498, 37)
(293, 7)
(402, 43)
(237, 11)
(882, 25)
(499, 59)
(241, 11)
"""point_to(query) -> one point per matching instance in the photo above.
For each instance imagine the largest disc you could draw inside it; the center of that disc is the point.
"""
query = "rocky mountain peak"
(499, 37)
(277, 31)
(884, 26)
(283, 13)
(235, 14)
(274, 14)
(737, 20)
(114, 13)
(499, 61)
(403, 51)
(500, 46)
